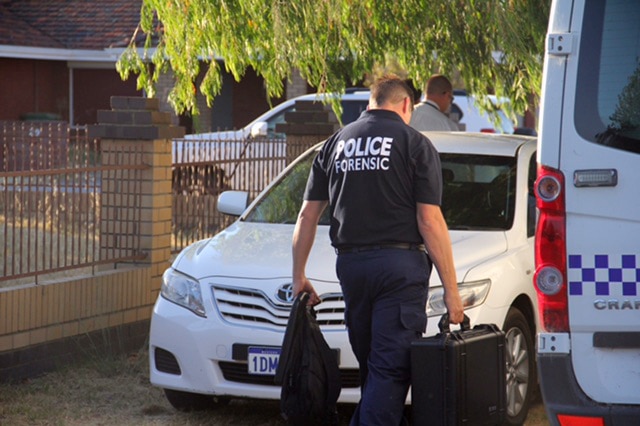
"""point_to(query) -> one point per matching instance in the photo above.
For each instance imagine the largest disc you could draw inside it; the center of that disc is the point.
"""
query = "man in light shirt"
(432, 114)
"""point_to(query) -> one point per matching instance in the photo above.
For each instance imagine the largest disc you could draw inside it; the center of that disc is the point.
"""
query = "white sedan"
(219, 321)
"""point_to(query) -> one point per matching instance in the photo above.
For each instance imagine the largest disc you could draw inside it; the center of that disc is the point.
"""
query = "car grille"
(251, 307)
(237, 372)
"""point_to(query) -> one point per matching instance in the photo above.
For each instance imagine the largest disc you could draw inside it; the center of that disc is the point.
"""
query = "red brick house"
(57, 60)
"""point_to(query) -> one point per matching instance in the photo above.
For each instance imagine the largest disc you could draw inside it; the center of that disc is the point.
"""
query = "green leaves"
(334, 43)
(626, 116)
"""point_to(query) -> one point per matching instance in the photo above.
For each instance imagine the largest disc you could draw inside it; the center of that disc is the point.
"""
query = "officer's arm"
(303, 237)
(435, 234)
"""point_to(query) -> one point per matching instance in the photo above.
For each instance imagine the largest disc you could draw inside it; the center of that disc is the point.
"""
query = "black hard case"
(458, 377)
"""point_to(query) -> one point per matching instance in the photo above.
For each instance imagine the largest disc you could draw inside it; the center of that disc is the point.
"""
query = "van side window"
(608, 102)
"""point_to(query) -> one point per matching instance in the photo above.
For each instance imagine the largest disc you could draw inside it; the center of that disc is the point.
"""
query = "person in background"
(382, 181)
(433, 113)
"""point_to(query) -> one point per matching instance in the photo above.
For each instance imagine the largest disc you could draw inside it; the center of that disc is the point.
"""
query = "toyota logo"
(285, 293)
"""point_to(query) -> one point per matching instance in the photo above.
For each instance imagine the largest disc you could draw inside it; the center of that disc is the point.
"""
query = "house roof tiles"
(68, 24)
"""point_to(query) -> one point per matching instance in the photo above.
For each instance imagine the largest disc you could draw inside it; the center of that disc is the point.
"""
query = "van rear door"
(600, 159)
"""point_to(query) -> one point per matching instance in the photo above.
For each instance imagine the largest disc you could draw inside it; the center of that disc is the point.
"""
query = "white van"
(588, 232)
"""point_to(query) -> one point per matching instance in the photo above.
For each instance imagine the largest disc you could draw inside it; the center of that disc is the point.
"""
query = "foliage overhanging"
(336, 43)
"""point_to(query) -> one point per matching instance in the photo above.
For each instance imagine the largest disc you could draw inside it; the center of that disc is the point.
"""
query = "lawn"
(116, 391)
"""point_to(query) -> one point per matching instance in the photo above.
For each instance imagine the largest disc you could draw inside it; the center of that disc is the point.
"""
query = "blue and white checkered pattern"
(604, 275)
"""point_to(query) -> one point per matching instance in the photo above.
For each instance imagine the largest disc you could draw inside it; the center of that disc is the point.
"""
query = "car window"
(282, 202)
(478, 191)
(277, 119)
(608, 100)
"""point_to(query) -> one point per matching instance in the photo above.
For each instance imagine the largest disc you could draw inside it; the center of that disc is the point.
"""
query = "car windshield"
(478, 193)
(282, 201)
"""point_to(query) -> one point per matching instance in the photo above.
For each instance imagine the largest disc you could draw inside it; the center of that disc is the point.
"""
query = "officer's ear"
(408, 105)
(407, 109)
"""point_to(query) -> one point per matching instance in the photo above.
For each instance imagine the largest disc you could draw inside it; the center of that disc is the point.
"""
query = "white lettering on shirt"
(358, 154)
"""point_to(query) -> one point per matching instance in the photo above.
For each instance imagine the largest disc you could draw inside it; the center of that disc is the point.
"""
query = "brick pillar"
(310, 123)
(135, 125)
(163, 88)
(296, 85)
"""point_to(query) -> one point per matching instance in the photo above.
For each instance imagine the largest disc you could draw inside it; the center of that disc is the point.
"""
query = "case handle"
(443, 324)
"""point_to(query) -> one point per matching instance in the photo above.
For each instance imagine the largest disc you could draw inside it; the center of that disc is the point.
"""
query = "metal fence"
(202, 169)
(54, 197)
(50, 201)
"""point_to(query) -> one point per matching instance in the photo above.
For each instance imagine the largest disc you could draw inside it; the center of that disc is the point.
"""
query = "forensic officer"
(382, 182)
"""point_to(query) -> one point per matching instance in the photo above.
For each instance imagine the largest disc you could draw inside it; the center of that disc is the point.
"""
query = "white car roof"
(355, 95)
(478, 143)
(474, 143)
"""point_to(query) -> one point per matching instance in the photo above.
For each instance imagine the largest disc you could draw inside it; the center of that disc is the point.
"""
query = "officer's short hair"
(390, 89)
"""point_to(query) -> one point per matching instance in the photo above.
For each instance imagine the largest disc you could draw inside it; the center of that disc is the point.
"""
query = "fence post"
(135, 131)
(310, 123)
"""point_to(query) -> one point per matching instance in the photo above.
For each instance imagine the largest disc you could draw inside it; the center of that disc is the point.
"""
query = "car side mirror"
(259, 129)
(233, 203)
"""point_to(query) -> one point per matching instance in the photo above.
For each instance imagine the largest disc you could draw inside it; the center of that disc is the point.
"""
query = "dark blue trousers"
(385, 294)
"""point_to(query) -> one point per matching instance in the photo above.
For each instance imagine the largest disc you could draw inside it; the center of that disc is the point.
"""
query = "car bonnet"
(263, 251)
(255, 250)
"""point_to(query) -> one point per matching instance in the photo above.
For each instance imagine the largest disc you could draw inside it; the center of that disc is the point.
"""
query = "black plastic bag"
(307, 370)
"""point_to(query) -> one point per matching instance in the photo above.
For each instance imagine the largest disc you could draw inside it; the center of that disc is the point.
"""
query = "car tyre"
(187, 401)
(520, 366)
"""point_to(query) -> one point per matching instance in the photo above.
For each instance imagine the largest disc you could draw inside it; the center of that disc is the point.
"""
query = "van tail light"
(551, 251)
(487, 130)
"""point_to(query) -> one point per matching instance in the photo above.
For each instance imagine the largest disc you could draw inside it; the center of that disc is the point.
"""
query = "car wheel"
(187, 401)
(520, 364)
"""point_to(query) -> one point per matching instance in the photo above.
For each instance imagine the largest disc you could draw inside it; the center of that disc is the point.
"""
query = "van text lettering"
(616, 305)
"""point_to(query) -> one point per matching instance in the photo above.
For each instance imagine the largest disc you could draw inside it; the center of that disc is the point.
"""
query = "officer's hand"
(454, 307)
(304, 285)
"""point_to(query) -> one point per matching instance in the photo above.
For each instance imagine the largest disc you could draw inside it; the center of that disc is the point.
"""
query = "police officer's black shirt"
(372, 172)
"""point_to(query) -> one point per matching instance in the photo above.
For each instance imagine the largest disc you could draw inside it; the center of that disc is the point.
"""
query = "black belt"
(401, 246)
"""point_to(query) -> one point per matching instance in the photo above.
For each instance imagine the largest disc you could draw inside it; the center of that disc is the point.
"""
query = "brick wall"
(44, 325)
(40, 326)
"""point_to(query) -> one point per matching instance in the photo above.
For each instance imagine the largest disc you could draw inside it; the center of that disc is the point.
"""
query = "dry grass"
(117, 392)
(112, 392)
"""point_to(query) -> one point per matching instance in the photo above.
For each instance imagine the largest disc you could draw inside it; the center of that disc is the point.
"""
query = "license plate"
(263, 361)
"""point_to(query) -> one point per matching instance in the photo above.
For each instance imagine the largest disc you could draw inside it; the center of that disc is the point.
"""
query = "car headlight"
(472, 294)
(182, 290)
